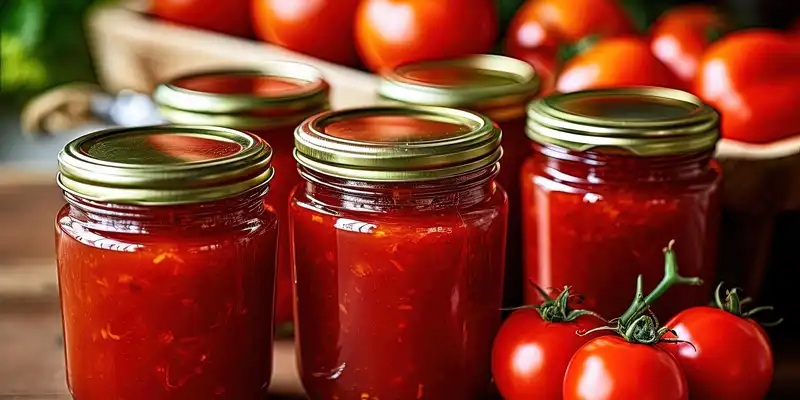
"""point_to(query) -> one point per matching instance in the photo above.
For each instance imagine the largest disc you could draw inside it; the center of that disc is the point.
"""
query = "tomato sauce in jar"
(398, 236)
(617, 175)
(269, 102)
(498, 87)
(166, 262)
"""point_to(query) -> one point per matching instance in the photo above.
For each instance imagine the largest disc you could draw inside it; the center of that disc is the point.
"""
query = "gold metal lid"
(164, 165)
(645, 121)
(397, 144)
(278, 89)
(491, 84)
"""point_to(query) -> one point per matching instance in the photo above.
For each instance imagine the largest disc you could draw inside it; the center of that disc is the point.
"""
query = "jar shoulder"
(493, 208)
(130, 237)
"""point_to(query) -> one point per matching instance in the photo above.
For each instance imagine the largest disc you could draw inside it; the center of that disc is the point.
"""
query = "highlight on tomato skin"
(730, 356)
(393, 32)
(230, 17)
(614, 62)
(320, 28)
(758, 99)
(680, 36)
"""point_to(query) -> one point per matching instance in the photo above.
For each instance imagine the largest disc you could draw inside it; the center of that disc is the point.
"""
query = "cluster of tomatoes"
(552, 351)
(379, 33)
(750, 76)
(684, 49)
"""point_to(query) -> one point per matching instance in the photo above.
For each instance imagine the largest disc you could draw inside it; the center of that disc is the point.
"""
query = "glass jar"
(617, 175)
(498, 87)
(269, 102)
(166, 263)
(398, 238)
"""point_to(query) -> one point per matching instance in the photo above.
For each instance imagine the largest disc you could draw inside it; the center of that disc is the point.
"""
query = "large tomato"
(393, 32)
(541, 27)
(681, 35)
(630, 365)
(610, 368)
(321, 28)
(752, 77)
(534, 346)
(613, 62)
(730, 357)
(231, 17)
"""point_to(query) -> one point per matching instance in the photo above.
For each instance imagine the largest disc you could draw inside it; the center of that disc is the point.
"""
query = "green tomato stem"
(671, 278)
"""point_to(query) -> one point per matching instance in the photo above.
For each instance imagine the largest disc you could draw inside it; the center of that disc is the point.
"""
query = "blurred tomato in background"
(393, 32)
(681, 35)
(231, 17)
(753, 78)
(619, 61)
(542, 28)
(321, 28)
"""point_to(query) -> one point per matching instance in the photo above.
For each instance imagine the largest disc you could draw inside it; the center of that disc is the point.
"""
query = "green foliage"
(43, 44)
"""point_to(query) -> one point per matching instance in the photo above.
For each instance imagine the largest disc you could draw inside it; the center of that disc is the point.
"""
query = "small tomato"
(534, 346)
(630, 365)
(729, 358)
(393, 32)
(752, 77)
(614, 62)
(681, 35)
(320, 28)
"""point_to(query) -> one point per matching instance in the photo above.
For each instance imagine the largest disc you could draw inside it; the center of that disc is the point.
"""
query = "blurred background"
(68, 67)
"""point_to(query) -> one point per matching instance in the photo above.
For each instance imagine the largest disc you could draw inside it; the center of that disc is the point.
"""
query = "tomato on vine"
(730, 357)
(533, 347)
(628, 365)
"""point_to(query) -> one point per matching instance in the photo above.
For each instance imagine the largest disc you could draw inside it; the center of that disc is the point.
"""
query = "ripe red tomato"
(630, 365)
(530, 355)
(231, 17)
(613, 62)
(321, 28)
(541, 27)
(610, 368)
(681, 35)
(751, 78)
(731, 358)
(393, 32)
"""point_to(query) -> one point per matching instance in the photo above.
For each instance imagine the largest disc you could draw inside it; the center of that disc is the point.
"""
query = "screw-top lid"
(397, 144)
(164, 165)
(498, 86)
(278, 93)
(646, 121)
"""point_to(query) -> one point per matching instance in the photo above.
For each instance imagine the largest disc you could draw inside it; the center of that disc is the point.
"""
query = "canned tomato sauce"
(617, 174)
(269, 102)
(498, 87)
(398, 235)
(166, 264)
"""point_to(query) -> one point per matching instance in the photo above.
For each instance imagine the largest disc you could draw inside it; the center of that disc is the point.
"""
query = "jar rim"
(645, 121)
(310, 98)
(494, 82)
(164, 165)
(473, 143)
